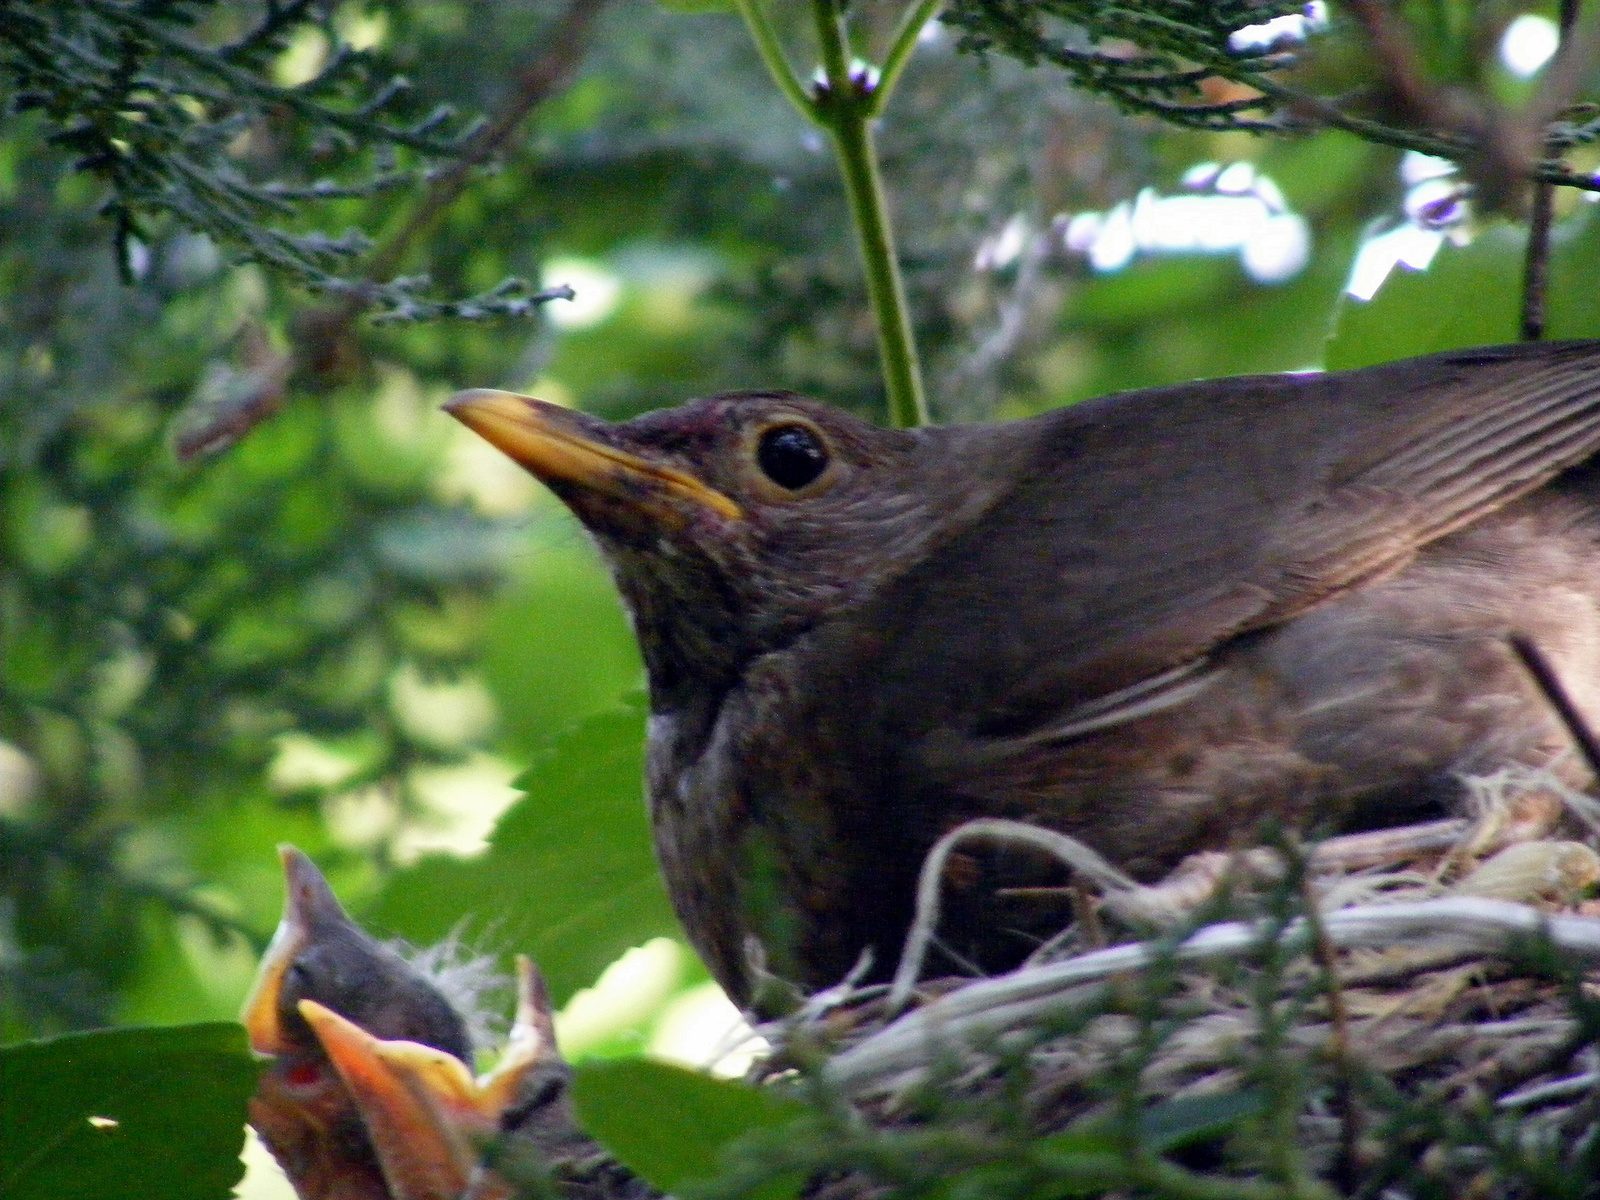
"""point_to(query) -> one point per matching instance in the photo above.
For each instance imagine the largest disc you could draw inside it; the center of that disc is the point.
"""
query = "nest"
(1402, 1013)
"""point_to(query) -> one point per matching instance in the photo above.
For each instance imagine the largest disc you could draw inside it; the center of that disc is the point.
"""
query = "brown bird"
(1146, 621)
(369, 1094)
(302, 1109)
(441, 1134)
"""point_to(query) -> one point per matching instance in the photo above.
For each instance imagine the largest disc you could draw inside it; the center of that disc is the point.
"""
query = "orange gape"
(351, 1112)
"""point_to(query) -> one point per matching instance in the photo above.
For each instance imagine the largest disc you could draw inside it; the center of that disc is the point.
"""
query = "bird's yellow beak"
(550, 441)
(426, 1115)
(260, 1015)
(394, 1087)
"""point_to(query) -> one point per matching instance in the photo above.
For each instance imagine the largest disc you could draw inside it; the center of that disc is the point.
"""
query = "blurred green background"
(355, 628)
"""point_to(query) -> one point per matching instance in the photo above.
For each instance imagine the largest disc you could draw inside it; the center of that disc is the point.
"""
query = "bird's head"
(735, 523)
(318, 953)
(302, 1109)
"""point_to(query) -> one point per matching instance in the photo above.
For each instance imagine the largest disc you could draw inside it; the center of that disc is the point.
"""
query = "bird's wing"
(1148, 529)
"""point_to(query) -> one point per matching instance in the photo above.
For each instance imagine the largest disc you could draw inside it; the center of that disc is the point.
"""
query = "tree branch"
(1536, 267)
(321, 336)
(770, 48)
(911, 26)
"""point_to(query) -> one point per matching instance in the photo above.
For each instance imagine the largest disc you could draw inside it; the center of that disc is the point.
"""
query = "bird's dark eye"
(791, 455)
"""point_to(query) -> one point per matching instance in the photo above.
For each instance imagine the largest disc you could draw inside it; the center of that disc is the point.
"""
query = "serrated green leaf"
(132, 1113)
(672, 1125)
(570, 876)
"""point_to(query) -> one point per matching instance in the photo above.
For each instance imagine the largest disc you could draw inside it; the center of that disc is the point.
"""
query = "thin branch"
(912, 24)
(1068, 850)
(1563, 177)
(843, 108)
(320, 335)
(989, 1007)
(246, 83)
(1536, 267)
(833, 43)
(98, 865)
(771, 50)
(1346, 1165)
(544, 77)
(1563, 79)
(1403, 70)
(1550, 685)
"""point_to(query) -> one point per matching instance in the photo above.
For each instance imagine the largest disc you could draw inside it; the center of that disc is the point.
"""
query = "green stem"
(902, 376)
(905, 41)
(771, 50)
(845, 108)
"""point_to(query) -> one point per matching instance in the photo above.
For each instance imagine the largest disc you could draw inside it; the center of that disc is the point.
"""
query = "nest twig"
(1404, 1012)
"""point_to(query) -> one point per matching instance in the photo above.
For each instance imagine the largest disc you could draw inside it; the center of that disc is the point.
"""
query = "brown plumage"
(1146, 621)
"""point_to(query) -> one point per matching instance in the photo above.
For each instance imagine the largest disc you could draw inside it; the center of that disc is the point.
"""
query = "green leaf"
(1472, 296)
(671, 1125)
(558, 647)
(570, 876)
(1174, 1123)
(133, 1113)
(1085, 1153)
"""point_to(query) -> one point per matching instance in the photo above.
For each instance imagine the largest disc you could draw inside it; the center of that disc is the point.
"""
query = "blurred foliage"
(588, 876)
(352, 629)
(1165, 58)
(1403, 319)
(1414, 76)
(228, 119)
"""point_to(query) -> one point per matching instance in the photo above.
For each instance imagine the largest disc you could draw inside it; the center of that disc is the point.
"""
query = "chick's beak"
(427, 1117)
(307, 900)
(397, 1087)
(551, 442)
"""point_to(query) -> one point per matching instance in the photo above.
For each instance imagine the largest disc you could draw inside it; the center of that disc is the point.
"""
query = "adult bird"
(1146, 621)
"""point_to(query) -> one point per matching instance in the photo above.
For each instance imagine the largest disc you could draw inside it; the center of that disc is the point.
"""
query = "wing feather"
(1146, 530)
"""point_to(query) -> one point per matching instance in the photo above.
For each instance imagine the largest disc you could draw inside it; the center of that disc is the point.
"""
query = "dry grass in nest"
(1405, 1013)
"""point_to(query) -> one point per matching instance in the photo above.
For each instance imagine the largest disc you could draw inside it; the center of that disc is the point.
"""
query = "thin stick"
(931, 879)
(1403, 69)
(318, 334)
(905, 41)
(1536, 267)
(843, 107)
(770, 48)
(989, 1007)
(1544, 675)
